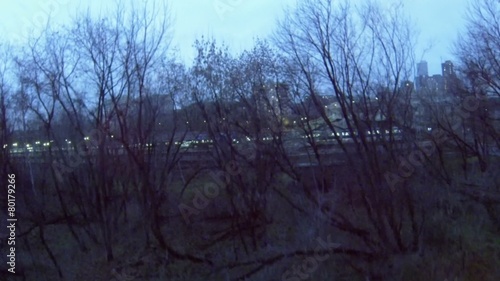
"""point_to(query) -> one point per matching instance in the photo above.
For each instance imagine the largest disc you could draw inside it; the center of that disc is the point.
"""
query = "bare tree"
(362, 55)
(478, 53)
(477, 48)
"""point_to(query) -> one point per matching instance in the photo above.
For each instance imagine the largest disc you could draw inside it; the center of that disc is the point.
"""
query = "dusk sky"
(242, 20)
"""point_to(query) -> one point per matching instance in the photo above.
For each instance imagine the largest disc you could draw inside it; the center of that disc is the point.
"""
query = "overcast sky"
(238, 22)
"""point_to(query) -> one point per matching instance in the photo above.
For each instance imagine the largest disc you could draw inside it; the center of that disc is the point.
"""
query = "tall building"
(447, 68)
(422, 75)
(448, 75)
(422, 69)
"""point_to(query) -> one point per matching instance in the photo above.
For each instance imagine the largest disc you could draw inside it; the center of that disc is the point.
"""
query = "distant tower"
(448, 74)
(422, 75)
(422, 69)
(447, 68)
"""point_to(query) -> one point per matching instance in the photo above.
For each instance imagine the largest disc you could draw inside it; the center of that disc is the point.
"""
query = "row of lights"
(40, 143)
(211, 141)
(29, 145)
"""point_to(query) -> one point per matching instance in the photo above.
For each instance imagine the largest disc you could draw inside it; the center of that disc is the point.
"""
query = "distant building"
(447, 68)
(273, 99)
(449, 75)
(407, 87)
(422, 69)
(157, 108)
(435, 83)
(422, 75)
(438, 82)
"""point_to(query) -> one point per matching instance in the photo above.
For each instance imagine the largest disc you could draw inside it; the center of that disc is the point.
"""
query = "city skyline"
(438, 81)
